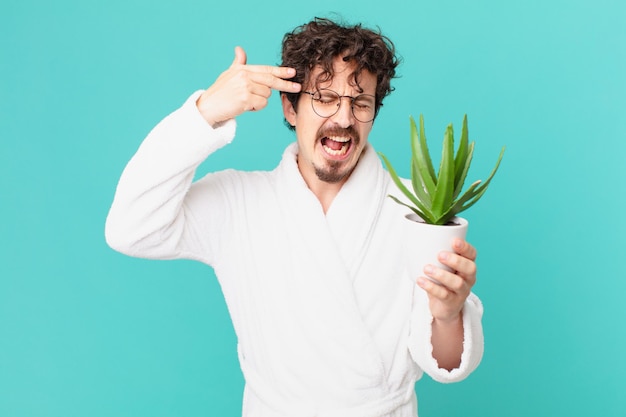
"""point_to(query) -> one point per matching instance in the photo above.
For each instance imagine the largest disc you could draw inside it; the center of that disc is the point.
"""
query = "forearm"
(447, 341)
(425, 340)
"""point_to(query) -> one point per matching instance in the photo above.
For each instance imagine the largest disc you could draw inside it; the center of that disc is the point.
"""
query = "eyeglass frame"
(339, 96)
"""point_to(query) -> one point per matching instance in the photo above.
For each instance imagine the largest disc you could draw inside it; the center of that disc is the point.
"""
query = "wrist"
(204, 111)
(452, 321)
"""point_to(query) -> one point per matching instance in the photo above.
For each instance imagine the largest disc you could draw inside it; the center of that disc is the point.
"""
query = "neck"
(325, 192)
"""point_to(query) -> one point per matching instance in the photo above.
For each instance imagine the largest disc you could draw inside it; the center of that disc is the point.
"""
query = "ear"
(288, 111)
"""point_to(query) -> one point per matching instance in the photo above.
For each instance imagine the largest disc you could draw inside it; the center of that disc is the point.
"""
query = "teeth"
(336, 152)
(339, 139)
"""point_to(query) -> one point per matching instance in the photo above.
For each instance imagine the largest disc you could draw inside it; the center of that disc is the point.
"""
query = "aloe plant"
(437, 197)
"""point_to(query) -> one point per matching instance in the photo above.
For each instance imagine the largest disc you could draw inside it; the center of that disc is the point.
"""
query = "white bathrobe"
(328, 321)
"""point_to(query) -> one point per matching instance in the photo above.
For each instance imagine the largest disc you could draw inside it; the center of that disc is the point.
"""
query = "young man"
(310, 255)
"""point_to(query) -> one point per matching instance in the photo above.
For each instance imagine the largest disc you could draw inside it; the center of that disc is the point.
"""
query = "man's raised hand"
(243, 88)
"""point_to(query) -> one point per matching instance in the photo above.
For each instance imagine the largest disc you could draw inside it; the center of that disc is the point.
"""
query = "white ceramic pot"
(425, 241)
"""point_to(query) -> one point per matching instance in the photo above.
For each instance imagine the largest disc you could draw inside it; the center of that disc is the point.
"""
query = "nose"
(344, 116)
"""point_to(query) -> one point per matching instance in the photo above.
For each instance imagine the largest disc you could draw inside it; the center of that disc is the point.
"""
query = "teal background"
(85, 331)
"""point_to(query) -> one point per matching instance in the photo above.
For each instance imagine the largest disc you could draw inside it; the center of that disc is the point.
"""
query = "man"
(309, 256)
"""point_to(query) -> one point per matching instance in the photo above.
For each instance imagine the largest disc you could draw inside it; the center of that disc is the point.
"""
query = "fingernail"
(443, 256)
(428, 269)
(458, 244)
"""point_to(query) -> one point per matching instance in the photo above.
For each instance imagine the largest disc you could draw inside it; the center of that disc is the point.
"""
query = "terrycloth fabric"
(328, 322)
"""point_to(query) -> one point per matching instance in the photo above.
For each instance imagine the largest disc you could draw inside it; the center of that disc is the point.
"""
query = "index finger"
(275, 81)
(280, 72)
(464, 249)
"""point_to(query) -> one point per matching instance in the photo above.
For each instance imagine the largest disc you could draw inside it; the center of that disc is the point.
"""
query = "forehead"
(343, 80)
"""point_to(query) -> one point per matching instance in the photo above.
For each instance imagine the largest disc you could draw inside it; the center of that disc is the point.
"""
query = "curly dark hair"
(320, 41)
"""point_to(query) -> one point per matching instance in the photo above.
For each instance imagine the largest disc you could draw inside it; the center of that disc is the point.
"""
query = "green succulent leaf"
(461, 154)
(421, 156)
(419, 186)
(461, 162)
(424, 215)
(481, 190)
(463, 167)
(445, 183)
(396, 179)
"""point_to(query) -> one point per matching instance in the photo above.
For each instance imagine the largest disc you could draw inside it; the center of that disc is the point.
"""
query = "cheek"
(305, 135)
(364, 134)
(307, 128)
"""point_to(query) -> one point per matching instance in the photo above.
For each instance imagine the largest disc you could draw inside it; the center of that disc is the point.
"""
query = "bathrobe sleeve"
(421, 347)
(156, 211)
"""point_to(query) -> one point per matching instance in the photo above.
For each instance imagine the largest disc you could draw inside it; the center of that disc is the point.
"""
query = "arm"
(152, 210)
(451, 323)
(148, 216)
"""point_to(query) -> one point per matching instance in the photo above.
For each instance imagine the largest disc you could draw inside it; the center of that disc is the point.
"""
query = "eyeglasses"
(326, 103)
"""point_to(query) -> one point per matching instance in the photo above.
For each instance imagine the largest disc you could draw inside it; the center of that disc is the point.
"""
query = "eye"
(363, 103)
(326, 98)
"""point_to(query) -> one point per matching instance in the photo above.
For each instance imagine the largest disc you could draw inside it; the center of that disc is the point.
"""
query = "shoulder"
(234, 183)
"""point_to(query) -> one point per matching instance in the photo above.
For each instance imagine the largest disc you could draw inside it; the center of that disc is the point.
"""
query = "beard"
(332, 173)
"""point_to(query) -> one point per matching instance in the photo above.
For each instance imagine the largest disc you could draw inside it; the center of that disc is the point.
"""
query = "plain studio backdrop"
(85, 331)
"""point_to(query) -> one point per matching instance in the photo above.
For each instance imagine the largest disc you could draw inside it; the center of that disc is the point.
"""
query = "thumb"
(240, 56)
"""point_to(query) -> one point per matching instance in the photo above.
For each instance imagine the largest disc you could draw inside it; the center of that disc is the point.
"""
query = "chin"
(333, 173)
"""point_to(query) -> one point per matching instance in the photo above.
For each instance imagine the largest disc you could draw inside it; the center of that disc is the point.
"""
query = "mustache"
(350, 131)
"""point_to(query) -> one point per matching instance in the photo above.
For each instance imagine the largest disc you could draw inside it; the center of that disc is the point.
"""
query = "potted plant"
(436, 198)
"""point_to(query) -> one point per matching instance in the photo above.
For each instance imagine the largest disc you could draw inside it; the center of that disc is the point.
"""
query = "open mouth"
(336, 146)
